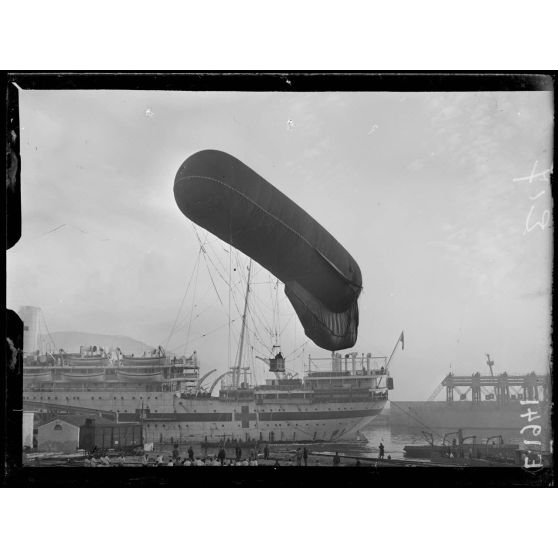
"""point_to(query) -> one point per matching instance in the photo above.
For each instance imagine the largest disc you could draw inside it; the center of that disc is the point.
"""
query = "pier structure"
(501, 388)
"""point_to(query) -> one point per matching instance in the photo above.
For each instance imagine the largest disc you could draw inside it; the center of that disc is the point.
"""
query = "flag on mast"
(402, 339)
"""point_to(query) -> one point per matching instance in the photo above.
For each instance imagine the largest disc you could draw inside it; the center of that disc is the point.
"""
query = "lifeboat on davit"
(85, 368)
(141, 369)
(37, 374)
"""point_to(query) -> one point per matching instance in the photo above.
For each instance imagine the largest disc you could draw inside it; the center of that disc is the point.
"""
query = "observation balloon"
(322, 280)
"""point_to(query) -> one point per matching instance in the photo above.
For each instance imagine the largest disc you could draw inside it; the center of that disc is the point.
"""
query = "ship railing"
(344, 373)
(279, 387)
(330, 374)
(107, 387)
(348, 362)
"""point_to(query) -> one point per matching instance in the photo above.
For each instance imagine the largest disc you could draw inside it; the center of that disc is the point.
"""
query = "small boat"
(87, 361)
(84, 374)
(143, 361)
(459, 449)
(136, 374)
(38, 374)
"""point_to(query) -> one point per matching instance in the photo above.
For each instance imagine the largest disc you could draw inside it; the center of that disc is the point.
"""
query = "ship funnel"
(30, 317)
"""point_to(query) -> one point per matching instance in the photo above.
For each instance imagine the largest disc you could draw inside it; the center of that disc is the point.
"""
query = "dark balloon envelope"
(322, 280)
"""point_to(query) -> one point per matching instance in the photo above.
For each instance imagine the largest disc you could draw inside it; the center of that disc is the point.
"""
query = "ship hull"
(167, 417)
(462, 414)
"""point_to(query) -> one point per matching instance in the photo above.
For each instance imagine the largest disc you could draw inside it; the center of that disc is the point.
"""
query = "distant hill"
(71, 341)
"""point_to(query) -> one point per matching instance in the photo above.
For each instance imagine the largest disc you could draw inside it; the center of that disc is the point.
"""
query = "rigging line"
(269, 308)
(272, 309)
(230, 288)
(204, 335)
(183, 299)
(211, 248)
(221, 268)
(256, 336)
(261, 341)
(217, 269)
(234, 299)
(211, 277)
(192, 308)
(253, 363)
(297, 349)
(417, 420)
(262, 322)
(258, 301)
(285, 327)
(262, 325)
(203, 251)
(278, 322)
(183, 326)
(242, 267)
(46, 327)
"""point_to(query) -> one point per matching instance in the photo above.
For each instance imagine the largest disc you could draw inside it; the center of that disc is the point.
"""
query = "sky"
(443, 199)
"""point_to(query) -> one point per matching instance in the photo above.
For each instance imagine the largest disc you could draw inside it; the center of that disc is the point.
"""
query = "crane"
(201, 380)
(435, 393)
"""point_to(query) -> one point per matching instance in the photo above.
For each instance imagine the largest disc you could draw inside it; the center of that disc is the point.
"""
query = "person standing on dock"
(266, 452)
(298, 457)
(190, 453)
(381, 446)
(305, 456)
(222, 455)
(238, 451)
(336, 459)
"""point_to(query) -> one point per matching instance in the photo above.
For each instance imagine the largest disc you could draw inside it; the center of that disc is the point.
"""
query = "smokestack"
(30, 317)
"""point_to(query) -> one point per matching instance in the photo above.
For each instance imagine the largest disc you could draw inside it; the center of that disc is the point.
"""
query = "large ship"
(335, 400)
(478, 401)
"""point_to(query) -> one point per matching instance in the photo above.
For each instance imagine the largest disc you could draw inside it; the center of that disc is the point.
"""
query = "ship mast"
(490, 364)
(241, 347)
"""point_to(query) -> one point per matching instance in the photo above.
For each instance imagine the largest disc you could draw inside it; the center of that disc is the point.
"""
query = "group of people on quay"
(219, 460)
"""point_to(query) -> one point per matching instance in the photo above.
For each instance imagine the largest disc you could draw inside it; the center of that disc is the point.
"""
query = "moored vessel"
(477, 401)
(335, 400)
